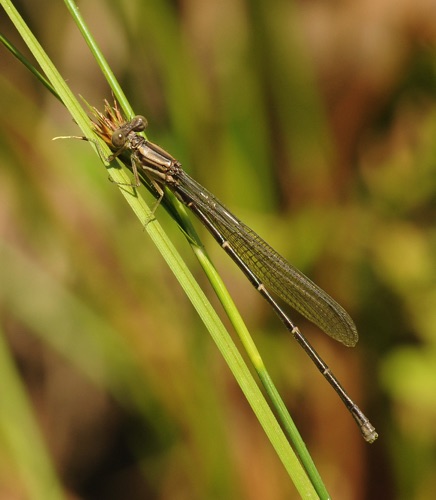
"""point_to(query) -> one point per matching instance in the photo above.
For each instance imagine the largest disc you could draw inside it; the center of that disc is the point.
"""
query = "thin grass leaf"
(208, 315)
(19, 428)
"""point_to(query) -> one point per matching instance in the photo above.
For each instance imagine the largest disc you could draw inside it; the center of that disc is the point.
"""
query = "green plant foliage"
(316, 125)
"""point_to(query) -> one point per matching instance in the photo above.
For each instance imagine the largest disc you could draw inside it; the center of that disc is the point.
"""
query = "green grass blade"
(19, 431)
(99, 57)
(178, 210)
(206, 312)
(23, 59)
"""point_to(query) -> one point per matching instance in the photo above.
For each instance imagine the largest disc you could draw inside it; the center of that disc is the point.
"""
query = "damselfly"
(262, 265)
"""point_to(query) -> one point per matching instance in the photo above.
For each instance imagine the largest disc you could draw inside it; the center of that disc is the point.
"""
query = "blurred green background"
(315, 123)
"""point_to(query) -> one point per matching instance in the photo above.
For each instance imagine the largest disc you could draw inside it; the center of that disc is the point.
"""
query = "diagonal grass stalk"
(206, 312)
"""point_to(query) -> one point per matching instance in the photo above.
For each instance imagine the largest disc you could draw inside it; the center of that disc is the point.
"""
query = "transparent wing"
(278, 275)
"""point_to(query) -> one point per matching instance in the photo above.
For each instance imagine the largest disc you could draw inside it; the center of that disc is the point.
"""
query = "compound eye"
(118, 139)
(139, 123)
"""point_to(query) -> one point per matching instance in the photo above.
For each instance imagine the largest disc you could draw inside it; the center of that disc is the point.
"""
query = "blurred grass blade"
(19, 431)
